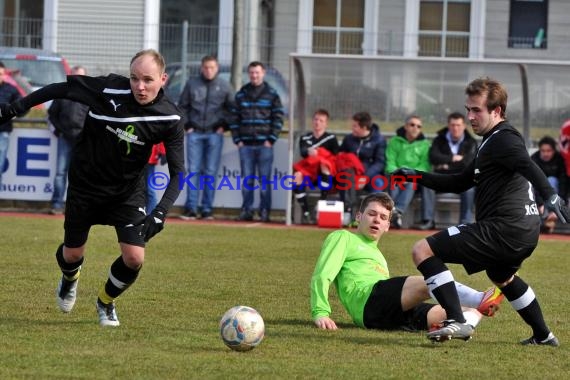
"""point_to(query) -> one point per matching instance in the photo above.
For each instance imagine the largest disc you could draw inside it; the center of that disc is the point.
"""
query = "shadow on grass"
(304, 322)
(19, 322)
(383, 337)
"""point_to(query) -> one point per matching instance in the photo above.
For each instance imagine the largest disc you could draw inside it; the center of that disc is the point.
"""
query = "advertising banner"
(31, 162)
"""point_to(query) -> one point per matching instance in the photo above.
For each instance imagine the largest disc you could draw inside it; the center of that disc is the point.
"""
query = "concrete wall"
(497, 32)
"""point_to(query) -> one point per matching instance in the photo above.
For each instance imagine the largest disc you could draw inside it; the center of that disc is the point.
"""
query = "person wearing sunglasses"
(408, 148)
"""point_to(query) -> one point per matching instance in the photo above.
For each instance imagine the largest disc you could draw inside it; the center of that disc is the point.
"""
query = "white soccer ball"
(242, 328)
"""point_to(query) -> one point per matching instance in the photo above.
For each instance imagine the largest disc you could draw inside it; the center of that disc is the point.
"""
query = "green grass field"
(193, 273)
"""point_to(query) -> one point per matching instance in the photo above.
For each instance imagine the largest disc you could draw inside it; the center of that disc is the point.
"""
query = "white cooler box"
(330, 213)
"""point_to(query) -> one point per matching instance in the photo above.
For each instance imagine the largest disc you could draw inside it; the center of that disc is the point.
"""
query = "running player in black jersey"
(126, 117)
(508, 222)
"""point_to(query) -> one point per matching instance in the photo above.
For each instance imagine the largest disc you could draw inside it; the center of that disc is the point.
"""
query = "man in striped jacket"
(257, 122)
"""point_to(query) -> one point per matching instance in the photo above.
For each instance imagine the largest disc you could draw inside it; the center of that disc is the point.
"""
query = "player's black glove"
(404, 172)
(7, 112)
(557, 205)
(153, 224)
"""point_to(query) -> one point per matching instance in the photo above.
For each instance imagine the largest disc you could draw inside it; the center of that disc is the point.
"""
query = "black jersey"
(504, 175)
(109, 158)
(327, 141)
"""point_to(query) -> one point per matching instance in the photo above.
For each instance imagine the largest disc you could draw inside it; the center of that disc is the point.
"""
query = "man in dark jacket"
(67, 118)
(257, 122)
(206, 101)
(552, 164)
(8, 94)
(369, 145)
(451, 151)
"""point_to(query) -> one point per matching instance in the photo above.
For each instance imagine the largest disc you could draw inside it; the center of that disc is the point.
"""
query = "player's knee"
(421, 251)
(72, 255)
(501, 278)
(133, 261)
(133, 256)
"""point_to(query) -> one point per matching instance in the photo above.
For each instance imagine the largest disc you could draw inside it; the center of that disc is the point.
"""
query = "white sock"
(468, 296)
(472, 318)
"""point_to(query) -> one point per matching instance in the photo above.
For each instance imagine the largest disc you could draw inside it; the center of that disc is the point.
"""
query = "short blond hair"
(156, 56)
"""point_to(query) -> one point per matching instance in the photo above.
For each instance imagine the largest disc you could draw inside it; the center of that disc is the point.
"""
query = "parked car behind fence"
(39, 67)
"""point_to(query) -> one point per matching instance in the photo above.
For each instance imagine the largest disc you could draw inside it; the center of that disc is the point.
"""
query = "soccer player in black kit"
(507, 223)
(126, 117)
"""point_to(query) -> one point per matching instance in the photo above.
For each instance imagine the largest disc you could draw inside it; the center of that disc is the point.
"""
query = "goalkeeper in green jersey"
(353, 262)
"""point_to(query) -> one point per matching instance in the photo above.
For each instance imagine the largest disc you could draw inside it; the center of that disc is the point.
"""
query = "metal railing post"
(184, 51)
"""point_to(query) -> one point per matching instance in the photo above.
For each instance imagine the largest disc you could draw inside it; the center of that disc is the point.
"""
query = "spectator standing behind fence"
(410, 149)
(8, 94)
(451, 151)
(256, 124)
(67, 118)
(550, 161)
(318, 149)
(206, 102)
(369, 146)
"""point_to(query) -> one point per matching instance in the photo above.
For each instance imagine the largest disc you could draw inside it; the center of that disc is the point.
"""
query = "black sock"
(440, 281)
(120, 278)
(523, 300)
(70, 270)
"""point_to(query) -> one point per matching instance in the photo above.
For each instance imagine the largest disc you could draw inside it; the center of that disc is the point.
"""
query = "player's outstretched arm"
(451, 183)
(325, 323)
(42, 95)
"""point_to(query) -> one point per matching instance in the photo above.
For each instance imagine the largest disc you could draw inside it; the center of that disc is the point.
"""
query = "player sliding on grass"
(353, 262)
(508, 222)
(106, 176)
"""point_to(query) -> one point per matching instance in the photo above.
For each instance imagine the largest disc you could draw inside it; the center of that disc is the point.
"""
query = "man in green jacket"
(408, 149)
(353, 262)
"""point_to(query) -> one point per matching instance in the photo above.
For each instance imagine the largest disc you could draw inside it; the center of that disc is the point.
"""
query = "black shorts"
(126, 216)
(383, 310)
(482, 246)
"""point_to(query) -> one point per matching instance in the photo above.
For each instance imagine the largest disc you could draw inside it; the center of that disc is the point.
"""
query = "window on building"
(21, 23)
(338, 26)
(203, 20)
(444, 28)
(528, 24)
